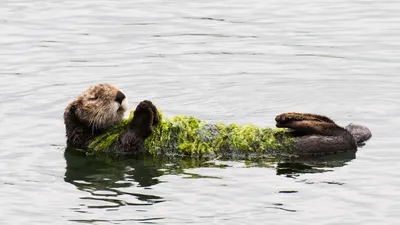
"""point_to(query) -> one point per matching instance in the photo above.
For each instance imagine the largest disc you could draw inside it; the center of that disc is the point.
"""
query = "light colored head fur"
(98, 106)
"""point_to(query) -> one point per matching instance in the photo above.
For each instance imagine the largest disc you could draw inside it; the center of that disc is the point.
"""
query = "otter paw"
(143, 114)
(156, 116)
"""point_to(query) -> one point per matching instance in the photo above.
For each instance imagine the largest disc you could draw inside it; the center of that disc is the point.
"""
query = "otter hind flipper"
(294, 116)
(305, 123)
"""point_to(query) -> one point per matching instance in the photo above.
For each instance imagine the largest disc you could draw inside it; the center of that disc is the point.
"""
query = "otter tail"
(359, 132)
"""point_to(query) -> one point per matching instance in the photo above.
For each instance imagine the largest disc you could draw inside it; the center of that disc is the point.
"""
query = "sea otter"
(96, 116)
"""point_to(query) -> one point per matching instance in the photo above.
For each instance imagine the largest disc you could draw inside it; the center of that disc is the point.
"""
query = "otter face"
(99, 106)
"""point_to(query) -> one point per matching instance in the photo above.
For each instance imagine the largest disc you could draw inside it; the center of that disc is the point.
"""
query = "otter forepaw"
(156, 116)
(143, 116)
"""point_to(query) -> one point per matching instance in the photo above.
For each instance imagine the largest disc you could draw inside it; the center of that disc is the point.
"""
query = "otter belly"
(322, 145)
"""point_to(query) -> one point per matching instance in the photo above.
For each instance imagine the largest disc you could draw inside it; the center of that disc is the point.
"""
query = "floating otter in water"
(94, 122)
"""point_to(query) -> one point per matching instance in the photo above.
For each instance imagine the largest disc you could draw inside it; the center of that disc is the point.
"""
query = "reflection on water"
(104, 178)
(320, 164)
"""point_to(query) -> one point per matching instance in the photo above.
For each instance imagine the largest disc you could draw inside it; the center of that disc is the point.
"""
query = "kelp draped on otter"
(187, 135)
(94, 122)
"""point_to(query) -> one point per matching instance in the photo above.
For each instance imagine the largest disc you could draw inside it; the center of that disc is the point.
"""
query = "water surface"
(222, 61)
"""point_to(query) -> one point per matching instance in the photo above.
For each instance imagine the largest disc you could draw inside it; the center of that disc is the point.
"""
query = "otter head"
(98, 107)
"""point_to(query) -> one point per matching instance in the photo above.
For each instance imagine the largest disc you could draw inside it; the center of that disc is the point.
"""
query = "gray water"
(241, 61)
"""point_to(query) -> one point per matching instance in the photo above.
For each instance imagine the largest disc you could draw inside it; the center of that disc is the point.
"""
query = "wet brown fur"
(316, 134)
(97, 109)
(306, 123)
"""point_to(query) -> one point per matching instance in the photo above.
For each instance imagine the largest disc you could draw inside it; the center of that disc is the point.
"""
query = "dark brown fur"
(306, 124)
(319, 135)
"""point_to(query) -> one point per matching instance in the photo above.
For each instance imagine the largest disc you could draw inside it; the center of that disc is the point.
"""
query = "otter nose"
(120, 97)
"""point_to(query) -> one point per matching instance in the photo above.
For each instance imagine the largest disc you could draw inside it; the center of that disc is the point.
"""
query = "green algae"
(108, 138)
(190, 136)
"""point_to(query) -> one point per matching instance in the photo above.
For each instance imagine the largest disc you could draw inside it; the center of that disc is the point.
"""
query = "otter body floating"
(94, 122)
(189, 136)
